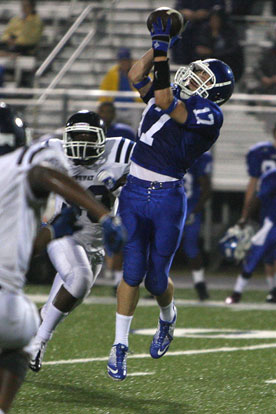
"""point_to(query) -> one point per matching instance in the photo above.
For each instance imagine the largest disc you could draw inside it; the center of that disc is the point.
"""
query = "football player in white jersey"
(28, 175)
(99, 165)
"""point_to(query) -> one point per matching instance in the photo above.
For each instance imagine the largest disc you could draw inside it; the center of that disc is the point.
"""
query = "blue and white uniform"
(78, 258)
(20, 218)
(264, 241)
(259, 159)
(153, 202)
(202, 167)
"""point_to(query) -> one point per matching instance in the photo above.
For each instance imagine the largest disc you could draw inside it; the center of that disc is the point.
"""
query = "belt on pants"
(154, 185)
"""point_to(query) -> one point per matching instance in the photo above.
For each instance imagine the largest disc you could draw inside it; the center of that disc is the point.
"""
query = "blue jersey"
(260, 158)
(267, 194)
(201, 167)
(170, 148)
(121, 130)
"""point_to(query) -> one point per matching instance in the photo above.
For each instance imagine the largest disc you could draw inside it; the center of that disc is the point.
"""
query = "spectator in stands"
(107, 112)
(196, 12)
(265, 71)
(116, 79)
(218, 38)
(22, 33)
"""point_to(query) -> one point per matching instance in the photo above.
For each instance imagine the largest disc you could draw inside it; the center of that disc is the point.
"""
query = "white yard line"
(140, 374)
(175, 353)
(108, 300)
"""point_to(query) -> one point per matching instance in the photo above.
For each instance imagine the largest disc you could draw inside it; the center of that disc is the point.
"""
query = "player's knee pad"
(79, 282)
(156, 285)
(132, 280)
(15, 362)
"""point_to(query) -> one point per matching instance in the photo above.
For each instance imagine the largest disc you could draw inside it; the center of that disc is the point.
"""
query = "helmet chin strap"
(184, 95)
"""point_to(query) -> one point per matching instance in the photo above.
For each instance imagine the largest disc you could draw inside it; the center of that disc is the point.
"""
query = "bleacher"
(122, 23)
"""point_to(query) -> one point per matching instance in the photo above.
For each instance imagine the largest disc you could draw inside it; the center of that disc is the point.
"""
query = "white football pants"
(76, 269)
(19, 320)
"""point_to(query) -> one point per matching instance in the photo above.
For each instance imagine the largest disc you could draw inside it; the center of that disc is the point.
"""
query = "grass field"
(226, 368)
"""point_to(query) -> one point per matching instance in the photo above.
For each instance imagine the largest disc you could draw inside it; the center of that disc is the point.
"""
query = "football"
(166, 12)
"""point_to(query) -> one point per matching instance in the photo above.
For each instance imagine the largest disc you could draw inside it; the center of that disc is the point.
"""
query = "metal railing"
(97, 16)
(48, 61)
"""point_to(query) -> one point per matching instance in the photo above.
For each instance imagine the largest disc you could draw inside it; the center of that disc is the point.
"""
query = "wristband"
(172, 106)
(160, 45)
(141, 84)
(161, 75)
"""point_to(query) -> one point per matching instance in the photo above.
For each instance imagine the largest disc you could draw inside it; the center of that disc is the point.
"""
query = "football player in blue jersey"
(264, 241)
(259, 159)
(197, 184)
(180, 122)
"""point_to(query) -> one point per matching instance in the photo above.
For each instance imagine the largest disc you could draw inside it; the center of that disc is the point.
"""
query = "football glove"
(114, 234)
(174, 40)
(107, 180)
(64, 224)
(160, 37)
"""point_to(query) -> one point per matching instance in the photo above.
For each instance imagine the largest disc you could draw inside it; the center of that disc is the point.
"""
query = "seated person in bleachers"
(107, 112)
(116, 79)
(265, 71)
(219, 39)
(23, 33)
(196, 12)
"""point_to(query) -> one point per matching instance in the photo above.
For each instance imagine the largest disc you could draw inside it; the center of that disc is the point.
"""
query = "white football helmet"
(84, 137)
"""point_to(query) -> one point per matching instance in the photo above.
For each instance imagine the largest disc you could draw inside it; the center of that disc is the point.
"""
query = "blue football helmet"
(218, 86)
(13, 131)
(236, 242)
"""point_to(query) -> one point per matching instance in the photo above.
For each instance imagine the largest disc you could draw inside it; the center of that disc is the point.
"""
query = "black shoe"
(271, 297)
(201, 289)
(234, 298)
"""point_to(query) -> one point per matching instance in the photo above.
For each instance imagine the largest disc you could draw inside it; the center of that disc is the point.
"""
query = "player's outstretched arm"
(163, 93)
(138, 74)
(44, 180)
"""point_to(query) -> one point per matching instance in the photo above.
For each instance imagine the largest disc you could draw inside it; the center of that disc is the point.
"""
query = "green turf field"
(222, 369)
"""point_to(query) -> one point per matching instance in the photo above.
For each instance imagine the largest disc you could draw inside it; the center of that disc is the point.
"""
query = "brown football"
(166, 12)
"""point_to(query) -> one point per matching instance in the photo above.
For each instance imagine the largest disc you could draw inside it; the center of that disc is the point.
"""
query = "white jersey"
(20, 210)
(116, 162)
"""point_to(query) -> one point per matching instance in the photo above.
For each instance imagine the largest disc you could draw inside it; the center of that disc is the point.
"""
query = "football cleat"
(271, 297)
(39, 349)
(201, 289)
(116, 365)
(234, 298)
(163, 337)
